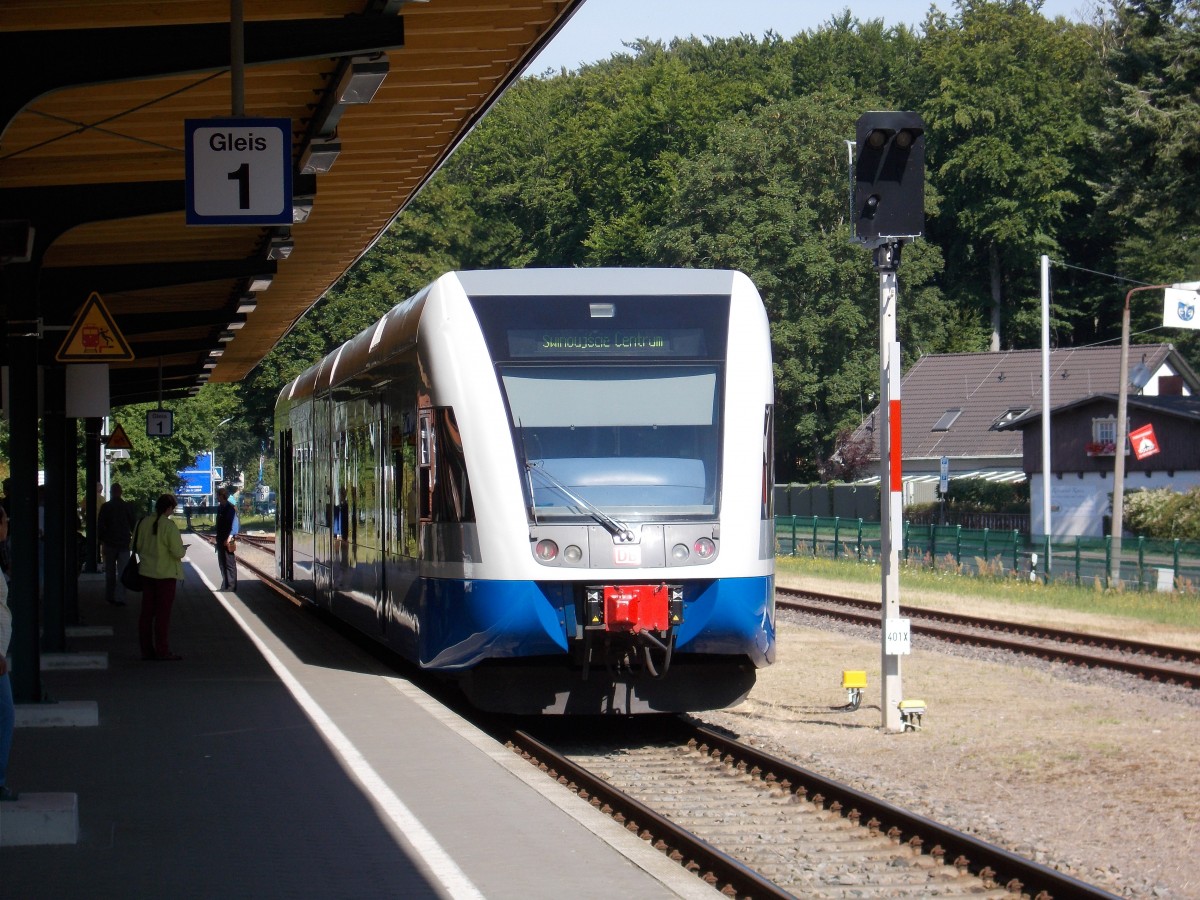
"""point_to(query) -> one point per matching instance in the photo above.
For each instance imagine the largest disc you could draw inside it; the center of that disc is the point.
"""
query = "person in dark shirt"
(227, 529)
(114, 527)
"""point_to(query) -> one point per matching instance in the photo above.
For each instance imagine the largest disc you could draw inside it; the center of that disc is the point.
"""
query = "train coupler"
(634, 608)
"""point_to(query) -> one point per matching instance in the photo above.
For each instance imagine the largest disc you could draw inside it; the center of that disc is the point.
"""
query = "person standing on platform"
(5, 551)
(114, 527)
(227, 531)
(8, 714)
(160, 552)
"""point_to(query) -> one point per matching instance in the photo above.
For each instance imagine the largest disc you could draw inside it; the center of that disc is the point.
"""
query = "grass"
(1175, 608)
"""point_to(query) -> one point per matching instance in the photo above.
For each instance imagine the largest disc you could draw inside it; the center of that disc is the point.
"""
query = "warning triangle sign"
(94, 337)
(118, 440)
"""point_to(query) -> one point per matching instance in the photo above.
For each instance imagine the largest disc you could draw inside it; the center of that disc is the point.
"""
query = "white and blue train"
(552, 484)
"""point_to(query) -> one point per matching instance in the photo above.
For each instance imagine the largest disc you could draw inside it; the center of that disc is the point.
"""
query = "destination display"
(593, 342)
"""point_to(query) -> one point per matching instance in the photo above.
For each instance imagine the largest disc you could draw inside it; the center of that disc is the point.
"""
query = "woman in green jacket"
(160, 553)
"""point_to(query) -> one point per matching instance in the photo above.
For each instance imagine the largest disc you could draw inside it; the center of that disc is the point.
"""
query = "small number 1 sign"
(239, 171)
(160, 423)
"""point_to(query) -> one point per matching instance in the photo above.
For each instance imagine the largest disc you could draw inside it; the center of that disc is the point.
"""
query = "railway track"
(1153, 662)
(756, 826)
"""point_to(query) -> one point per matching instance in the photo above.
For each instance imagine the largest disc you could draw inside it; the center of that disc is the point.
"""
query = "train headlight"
(705, 548)
(546, 550)
(572, 553)
(680, 552)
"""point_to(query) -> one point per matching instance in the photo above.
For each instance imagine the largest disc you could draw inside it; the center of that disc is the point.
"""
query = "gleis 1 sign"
(239, 171)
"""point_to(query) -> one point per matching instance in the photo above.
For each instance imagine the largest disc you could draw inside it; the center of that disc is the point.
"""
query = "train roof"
(584, 282)
(398, 327)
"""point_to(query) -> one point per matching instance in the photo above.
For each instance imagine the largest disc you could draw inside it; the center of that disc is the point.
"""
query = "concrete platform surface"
(278, 759)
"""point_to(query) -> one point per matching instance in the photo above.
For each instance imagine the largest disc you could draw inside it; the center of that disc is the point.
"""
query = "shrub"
(977, 495)
(1164, 513)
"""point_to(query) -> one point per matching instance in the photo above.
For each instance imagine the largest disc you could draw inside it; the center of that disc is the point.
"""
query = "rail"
(1146, 563)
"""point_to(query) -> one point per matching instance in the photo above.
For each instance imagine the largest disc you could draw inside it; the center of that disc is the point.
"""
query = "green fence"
(1145, 563)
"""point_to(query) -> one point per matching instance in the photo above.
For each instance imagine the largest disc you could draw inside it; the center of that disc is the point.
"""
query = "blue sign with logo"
(200, 479)
(195, 484)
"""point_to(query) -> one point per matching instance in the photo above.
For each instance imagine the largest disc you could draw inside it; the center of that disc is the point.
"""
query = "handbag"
(131, 576)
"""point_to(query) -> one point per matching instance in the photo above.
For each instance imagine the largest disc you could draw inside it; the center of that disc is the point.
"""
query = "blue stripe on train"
(466, 622)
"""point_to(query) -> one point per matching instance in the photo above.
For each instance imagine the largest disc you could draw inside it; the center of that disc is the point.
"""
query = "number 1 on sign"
(242, 176)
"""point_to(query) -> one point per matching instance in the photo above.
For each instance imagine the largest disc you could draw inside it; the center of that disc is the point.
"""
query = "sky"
(598, 29)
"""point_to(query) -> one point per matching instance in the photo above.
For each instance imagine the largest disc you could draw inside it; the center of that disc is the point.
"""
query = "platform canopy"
(92, 158)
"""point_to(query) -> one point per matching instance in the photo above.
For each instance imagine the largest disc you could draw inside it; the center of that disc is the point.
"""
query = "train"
(550, 485)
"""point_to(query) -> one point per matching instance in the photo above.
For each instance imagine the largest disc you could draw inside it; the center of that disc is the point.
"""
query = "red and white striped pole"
(891, 487)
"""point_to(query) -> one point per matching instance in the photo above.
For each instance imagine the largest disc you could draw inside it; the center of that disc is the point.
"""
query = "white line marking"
(445, 869)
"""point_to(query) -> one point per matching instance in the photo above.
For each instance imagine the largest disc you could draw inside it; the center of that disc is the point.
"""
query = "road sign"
(160, 423)
(118, 439)
(195, 484)
(238, 171)
(94, 337)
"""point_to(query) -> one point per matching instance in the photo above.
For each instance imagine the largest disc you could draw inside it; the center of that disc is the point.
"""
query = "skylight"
(947, 419)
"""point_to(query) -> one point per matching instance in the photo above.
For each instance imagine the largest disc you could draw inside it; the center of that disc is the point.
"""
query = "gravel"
(1092, 773)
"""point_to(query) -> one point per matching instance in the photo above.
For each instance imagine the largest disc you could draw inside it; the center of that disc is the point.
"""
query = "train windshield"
(615, 416)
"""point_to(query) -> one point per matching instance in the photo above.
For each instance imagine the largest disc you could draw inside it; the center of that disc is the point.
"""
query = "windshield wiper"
(618, 529)
(528, 469)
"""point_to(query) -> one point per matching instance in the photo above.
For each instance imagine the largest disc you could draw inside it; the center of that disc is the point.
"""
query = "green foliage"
(978, 495)
(981, 495)
(154, 462)
(938, 589)
(767, 198)
(1164, 513)
(1004, 108)
(1148, 143)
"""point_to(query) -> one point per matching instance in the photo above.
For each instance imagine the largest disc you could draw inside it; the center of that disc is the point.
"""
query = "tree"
(154, 462)
(1005, 118)
(1149, 143)
(768, 197)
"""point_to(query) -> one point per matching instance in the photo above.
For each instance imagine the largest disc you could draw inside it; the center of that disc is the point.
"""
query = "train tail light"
(546, 550)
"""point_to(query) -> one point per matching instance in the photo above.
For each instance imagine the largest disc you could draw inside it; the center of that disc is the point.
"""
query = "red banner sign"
(1143, 441)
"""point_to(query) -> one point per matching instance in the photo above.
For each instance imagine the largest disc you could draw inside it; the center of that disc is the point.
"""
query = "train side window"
(445, 491)
(404, 464)
(452, 487)
(426, 453)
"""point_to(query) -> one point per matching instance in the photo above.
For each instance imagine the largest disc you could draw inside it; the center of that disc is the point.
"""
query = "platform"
(279, 759)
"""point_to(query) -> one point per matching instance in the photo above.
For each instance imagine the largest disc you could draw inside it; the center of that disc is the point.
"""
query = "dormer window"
(948, 418)
(1009, 415)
